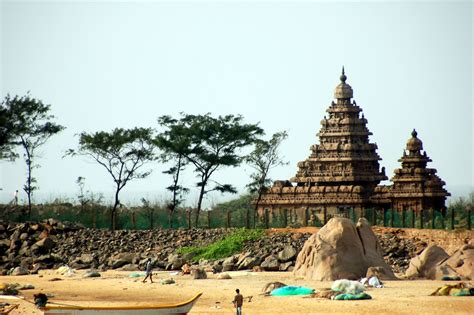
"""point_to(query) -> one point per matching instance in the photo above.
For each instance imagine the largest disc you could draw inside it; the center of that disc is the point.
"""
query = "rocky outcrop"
(341, 250)
(435, 264)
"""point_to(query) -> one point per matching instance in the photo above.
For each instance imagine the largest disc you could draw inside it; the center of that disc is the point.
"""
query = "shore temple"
(342, 172)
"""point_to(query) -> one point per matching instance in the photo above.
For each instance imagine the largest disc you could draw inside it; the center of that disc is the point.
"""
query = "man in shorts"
(148, 271)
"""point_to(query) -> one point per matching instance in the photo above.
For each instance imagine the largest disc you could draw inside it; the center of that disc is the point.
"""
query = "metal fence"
(98, 216)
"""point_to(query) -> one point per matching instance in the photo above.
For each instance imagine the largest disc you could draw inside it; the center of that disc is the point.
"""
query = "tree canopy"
(26, 122)
(210, 143)
(173, 146)
(122, 152)
(263, 158)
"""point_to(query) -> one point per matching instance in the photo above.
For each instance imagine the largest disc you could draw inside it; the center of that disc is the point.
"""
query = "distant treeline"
(204, 143)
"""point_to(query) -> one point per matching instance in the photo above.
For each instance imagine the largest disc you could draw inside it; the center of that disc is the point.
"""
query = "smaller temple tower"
(416, 187)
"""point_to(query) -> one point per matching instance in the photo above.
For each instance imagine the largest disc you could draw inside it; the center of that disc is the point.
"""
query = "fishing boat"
(160, 309)
(4, 310)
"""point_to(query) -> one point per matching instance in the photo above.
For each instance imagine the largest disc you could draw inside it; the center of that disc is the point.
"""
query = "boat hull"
(170, 309)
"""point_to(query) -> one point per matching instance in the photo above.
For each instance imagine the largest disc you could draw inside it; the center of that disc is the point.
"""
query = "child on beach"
(238, 301)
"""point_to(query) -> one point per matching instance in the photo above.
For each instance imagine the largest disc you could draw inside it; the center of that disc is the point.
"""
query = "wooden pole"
(403, 217)
(391, 216)
(433, 217)
(266, 218)
(208, 219)
(452, 218)
(421, 218)
(413, 215)
(384, 215)
(469, 219)
(325, 214)
(306, 217)
(189, 219)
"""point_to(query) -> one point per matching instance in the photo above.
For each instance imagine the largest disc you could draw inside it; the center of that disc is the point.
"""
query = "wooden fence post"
(325, 215)
(433, 217)
(452, 218)
(469, 219)
(247, 219)
(266, 218)
(208, 219)
(421, 219)
(374, 217)
(384, 217)
(189, 219)
(403, 217)
(392, 212)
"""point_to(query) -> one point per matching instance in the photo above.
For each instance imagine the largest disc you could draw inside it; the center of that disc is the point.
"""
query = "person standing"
(238, 301)
(15, 198)
(148, 271)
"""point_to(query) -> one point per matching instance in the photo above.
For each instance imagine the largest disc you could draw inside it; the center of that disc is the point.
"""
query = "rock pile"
(398, 250)
(28, 247)
(50, 244)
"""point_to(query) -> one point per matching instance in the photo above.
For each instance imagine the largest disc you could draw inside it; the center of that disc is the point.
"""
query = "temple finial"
(414, 133)
(343, 76)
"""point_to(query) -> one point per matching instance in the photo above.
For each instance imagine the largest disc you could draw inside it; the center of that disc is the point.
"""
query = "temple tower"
(341, 172)
(344, 156)
(416, 187)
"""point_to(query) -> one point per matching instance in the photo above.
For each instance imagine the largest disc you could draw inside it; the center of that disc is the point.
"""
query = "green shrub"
(229, 245)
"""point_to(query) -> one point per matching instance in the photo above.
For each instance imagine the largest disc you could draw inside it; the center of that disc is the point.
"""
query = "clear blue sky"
(122, 64)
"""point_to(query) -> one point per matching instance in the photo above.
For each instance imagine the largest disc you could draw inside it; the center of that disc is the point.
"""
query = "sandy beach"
(117, 288)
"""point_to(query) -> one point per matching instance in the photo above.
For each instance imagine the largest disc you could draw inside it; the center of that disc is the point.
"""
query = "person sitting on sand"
(238, 301)
(148, 271)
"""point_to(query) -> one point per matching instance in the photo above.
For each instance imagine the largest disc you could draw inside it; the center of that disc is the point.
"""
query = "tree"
(264, 157)
(26, 123)
(212, 143)
(122, 152)
(6, 134)
(173, 147)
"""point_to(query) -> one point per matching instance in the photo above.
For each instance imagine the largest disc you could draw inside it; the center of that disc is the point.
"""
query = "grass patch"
(229, 245)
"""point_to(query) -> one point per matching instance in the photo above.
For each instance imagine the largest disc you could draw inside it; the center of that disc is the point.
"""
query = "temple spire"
(343, 90)
(343, 76)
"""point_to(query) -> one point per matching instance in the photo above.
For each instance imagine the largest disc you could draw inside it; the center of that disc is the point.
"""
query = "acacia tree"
(6, 134)
(27, 123)
(173, 147)
(122, 152)
(212, 143)
(263, 158)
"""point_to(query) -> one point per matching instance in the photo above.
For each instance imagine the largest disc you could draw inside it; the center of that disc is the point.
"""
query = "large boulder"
(121, 259)
(341, 250)
(287, 253)
(462, 261)
(434, 263)
(270, 263)
(422, 266)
